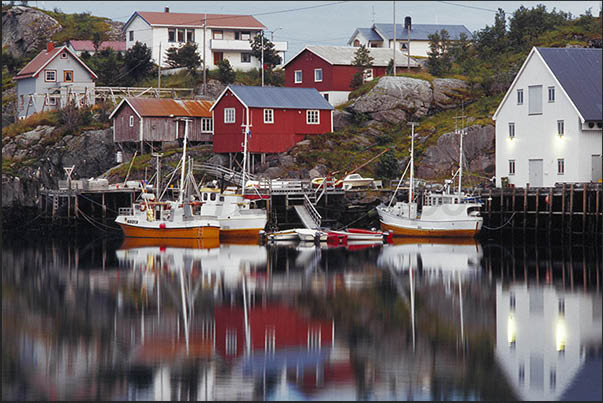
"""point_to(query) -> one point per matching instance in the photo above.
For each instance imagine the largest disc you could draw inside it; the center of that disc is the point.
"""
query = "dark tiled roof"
(280, 97)
(579, 71)
(421, 31)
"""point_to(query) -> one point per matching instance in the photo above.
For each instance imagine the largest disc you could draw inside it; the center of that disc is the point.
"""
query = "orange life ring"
(142, 207)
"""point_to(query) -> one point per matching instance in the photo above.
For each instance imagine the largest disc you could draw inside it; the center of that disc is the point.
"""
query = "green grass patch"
(421, 75)
(29, 123)
(363, 89)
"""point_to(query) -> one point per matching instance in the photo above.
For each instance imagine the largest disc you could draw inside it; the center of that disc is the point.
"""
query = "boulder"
(395, 98)
(442, 158)
(25, 30)
(219, 159)
(341, 119)
(272, 173)
(214, 89)
(447, 92)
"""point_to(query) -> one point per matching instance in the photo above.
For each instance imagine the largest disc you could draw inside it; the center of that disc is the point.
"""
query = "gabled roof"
(81, 45)
(164, 107)
(368, 33)
(344, 55)
(277, 97)
(580, 73)
(155, 18)
(33, 68)
(420, 32)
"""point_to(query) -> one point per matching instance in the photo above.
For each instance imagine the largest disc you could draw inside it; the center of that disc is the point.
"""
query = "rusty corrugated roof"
(196, 20)
(166, 107)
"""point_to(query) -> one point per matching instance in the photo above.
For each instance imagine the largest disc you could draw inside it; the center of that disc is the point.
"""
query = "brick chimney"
(50, 46)
(167, 9)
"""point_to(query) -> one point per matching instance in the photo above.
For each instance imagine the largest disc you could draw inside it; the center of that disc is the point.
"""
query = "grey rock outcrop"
(396, 98)
(442, 158)
(341, 119)
(25, 29)
(446, 92)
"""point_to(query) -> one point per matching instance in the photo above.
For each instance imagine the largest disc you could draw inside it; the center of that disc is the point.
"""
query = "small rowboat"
(310, 235)
(359, 234)
(285, 235)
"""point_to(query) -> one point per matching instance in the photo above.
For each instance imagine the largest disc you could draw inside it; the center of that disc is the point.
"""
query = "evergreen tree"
(387, 167)
(363, 61)
(138, 62)
(186, 56)
(225, 72)
(271, 56)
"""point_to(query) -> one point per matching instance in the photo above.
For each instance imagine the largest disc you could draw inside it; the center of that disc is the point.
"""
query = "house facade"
(225, 36)
(50, 80)
(278, 118)
(549, 124)
(159, 121)
(382, 36)
(80, 46)
(330, 69)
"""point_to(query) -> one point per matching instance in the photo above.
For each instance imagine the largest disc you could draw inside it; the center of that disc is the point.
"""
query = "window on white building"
(190, 35)
(180, 34)
(172, 35)
(298, 76)
(64, 55)
(68, 76)
(131, 121)
(207, 125)
(245, 57)
(313, 117)
(520, 97)
(511, 130)
(560, 166)
(245, 35)
(131, 35)
(317, 75)
(51, 101)
(217, 34)
(50, 75)
(229, 115)
(268, 115)
(551, 94)
(511, 167)
(560, 127)
(535, 100)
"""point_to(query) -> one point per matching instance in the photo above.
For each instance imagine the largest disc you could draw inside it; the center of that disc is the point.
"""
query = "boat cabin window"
(213, 197)
(221, 198)
(204, 196)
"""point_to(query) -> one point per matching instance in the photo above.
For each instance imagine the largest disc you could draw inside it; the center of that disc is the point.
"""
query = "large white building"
(382, 36)
(549, 123)
(224, 36)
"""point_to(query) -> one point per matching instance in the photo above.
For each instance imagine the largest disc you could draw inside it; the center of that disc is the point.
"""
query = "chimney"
(407, 23)
(167, 9)
(50, 46)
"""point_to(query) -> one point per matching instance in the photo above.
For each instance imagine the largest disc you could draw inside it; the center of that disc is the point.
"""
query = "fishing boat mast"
(462, 133)
(245, 134)
(181, 195)
(411, 188)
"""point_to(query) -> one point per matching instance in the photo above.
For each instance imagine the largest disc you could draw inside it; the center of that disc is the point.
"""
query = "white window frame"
(511, 130)
(268, 115)
(367, 74)
(560, 128)
(217, 34)
(316, 80)
(54, 79)
(535, 101)
(229, 115)
(313, 117)
(130, 36)
(131, 120)
(551, 91)
(560, 166)
(520, 96)
(245, 35)
(207, 125)
(512, 167)
(247, 56)
(51, 101)
(301, 77)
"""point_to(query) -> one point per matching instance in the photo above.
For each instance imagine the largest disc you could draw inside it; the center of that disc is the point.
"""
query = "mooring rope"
(500, 227)
(93, 221)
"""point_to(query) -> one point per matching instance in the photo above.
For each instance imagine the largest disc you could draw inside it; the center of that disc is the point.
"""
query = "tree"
(390, 67)
(105, 63)
(363, 61)
(387, 167)
(225, 72)
(97, 40)
(271, 56)
(186, 56)
(493, 40)
(439, 58)
(525, 25)
(138, 62)
(459, 50)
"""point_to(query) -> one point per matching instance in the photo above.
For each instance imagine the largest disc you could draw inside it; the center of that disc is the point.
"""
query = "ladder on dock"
(308, 214)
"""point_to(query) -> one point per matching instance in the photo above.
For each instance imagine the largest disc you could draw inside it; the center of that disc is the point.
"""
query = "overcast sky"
(324, 22)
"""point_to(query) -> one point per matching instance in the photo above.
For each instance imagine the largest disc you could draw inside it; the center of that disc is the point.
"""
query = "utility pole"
(394, 58)
(262, 58)
(159, 71)
(408, 45)
(204, 75)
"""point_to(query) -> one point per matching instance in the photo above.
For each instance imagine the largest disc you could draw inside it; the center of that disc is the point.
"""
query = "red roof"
(33, 68)
(166, 107)
(196, 20)
(118, 46)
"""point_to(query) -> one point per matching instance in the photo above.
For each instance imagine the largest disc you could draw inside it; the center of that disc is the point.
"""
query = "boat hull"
(204, 232)
(439, 233)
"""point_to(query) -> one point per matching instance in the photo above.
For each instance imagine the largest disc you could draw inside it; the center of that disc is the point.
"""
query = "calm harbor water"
(111, 319)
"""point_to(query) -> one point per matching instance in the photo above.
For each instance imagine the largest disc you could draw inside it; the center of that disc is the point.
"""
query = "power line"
(463, 5)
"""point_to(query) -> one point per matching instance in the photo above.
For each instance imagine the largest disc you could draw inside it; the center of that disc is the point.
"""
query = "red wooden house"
(330, 69)
(278, 118)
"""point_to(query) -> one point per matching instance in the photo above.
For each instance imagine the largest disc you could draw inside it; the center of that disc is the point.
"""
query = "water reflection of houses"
(543, 336)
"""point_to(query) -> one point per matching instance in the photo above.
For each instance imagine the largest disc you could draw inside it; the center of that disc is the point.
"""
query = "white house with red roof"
(224, 36)
(52, 79)
(80, 46)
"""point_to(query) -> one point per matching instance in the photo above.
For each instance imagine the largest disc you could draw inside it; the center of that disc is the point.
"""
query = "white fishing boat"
(152, 218)
(440, 215)
(310, 235)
